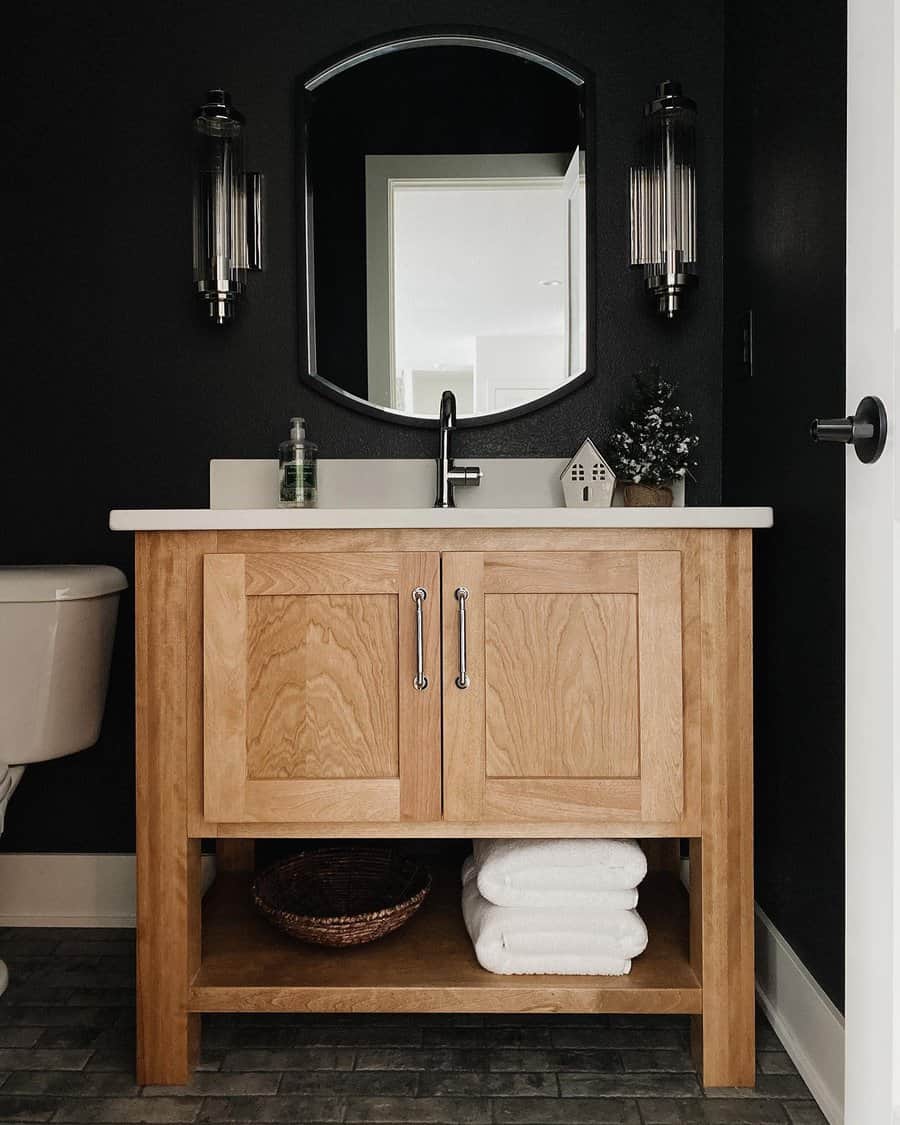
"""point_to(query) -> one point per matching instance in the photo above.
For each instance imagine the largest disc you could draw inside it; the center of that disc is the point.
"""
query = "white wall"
(510, 369)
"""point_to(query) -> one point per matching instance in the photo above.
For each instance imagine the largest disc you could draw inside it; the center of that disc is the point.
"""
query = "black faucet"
(448, 475)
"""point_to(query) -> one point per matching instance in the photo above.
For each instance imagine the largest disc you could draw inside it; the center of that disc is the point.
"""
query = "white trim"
(809, 1026)
(72, 890)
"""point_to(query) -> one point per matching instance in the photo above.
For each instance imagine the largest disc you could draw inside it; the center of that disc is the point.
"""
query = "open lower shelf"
(426, 966)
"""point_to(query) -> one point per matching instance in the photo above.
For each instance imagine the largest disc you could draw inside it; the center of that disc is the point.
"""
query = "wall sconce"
(227, 208)
(664, 198)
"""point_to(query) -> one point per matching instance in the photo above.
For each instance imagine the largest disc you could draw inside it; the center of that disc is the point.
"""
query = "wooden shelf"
(427, 966)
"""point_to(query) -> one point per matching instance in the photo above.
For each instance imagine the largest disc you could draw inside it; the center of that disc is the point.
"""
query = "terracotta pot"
(647, 496)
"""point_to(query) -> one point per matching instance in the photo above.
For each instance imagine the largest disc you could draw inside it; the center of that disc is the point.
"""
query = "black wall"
(785, 258)
(118, 392)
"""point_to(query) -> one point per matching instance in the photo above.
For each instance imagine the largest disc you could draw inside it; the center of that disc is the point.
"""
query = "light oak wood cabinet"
(561, 675)
(606, 692)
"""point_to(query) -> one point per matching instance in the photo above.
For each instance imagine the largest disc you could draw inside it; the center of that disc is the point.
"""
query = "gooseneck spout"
(448, 474)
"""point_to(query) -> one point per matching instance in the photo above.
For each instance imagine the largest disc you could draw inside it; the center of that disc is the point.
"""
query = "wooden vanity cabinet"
(606, 692)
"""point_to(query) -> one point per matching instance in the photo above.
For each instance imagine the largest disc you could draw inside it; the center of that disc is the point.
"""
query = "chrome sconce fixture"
(227, 208)
(664, 198)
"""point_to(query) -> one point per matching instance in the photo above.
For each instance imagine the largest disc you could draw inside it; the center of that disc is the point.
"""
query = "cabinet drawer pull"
(420, 681)
(462, 594)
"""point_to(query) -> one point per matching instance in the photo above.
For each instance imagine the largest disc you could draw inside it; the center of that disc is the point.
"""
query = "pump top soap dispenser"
(297, 477)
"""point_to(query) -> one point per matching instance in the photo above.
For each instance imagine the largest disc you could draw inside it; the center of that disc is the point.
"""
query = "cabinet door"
(311, 709)
(573, 709)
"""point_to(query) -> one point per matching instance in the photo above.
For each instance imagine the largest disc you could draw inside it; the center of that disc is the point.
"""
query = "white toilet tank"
(57, 625)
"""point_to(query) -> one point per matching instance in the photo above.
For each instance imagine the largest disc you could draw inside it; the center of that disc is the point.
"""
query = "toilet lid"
(58, 583)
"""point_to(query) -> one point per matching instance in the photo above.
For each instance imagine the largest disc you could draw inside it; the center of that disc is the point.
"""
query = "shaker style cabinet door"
(563, 686)
(322, 687)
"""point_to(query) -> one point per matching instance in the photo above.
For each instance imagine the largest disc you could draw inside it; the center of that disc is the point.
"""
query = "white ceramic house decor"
(587, 480)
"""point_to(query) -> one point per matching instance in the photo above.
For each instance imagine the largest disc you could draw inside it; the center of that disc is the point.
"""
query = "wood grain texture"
(335, 573)
(539, 572)
(662, 715)
(464, 710)
(332, 800)
(168, 862)
(628, 824)
(450, 539)
(722, 874)
(427, 966)
(561, 674)
(322, 696)
(420, 711)
(225, 687)
(564, 800)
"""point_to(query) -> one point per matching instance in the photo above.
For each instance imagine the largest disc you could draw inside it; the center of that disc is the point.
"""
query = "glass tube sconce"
(227, 208)
(664, 198)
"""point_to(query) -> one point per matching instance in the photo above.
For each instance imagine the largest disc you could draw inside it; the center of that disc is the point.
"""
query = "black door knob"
(866, 430)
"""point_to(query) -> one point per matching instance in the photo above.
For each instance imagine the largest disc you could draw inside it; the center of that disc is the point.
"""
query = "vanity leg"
(168, 863)
(724, 1037)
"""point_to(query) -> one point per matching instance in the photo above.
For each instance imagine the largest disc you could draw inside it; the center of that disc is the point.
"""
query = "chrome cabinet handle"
(420, 682)
(462, 594)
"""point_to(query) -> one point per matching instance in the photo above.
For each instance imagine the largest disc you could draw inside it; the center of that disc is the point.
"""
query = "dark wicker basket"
(338, 896)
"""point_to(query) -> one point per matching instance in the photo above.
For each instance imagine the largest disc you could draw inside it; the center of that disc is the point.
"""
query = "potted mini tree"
(656, 446)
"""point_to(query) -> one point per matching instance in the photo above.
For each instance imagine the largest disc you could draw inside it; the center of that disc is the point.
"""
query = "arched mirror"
(446, 235)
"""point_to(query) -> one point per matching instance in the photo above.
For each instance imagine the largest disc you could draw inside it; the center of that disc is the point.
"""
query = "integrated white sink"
(369, 493)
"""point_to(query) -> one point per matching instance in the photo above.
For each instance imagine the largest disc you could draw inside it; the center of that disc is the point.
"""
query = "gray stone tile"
(122, 996)
(19, 1036)
(297, 1058)
(556, 1111)
(496, 1084)
(36, 1059)
(47, 1016)
(71, 1037)
(603, 1062)
(413, 1058)
(700, 1111)
(233, 1038)
(33, 991)
(421, 1111)
(16, 1108)
(124, 1111)
(766, 1039)
(112, 1058)
(350, 1035)
(656, 1061)
(65, 1083)
(291, 1109)
(489, 1038)
(86, 946)
(621, 1038)
(767, 1086)
(805, 1113)
(215, 1084)
(629, 1086)
(384, 1083)
(775, 1062)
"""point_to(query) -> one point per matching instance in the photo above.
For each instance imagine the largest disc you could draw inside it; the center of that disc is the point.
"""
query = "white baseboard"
(71, 890)
(804, 1019)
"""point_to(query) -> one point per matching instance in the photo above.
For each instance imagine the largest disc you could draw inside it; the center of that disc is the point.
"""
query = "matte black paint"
(785, 257)
(117, 391)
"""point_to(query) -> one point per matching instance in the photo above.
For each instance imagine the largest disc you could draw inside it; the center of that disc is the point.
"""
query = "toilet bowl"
(57, 625)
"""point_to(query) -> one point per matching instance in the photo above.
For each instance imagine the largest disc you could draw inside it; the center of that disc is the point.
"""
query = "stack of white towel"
(555, 906)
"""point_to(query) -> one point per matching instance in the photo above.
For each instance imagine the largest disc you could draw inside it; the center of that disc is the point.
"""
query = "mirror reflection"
(445, 226)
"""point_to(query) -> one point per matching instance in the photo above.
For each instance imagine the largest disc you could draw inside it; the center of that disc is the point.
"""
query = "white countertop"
(301, 519)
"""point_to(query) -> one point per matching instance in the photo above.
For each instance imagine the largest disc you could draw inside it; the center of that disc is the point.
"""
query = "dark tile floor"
(67, 1055)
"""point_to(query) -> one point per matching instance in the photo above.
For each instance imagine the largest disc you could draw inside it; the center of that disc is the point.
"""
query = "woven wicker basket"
(339, 896)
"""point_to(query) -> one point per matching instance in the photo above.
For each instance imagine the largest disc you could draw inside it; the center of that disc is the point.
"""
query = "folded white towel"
(510, 939)
(559, 873)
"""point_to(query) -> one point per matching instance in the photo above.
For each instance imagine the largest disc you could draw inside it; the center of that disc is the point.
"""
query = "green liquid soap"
(297, 469)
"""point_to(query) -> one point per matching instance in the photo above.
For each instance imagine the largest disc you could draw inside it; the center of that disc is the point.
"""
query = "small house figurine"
(587, 480)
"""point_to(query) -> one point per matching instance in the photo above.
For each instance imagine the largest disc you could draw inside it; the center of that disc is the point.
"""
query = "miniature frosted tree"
(658, 443)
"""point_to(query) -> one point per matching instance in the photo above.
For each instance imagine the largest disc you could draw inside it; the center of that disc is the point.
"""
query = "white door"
(872, 1012)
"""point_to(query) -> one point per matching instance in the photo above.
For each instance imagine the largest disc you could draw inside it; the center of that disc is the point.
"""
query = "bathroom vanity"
(421, 673)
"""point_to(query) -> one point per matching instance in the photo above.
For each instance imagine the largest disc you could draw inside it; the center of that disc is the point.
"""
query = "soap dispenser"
(297, 483)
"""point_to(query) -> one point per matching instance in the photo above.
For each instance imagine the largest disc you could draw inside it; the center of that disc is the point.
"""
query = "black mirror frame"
(406, 40)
